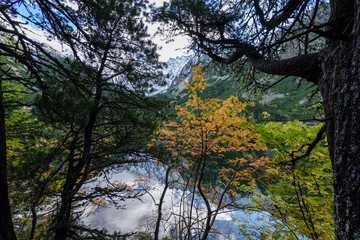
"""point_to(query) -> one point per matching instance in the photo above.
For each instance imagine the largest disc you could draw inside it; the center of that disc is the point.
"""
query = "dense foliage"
(299, 193)
(90, 99)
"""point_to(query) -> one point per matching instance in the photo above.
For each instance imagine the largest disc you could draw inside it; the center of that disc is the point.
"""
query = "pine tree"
(94, 95)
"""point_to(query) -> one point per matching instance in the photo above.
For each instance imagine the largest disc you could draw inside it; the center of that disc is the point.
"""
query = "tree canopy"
(92, 96)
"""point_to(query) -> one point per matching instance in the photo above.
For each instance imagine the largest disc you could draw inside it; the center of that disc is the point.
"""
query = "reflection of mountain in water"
(139, 215)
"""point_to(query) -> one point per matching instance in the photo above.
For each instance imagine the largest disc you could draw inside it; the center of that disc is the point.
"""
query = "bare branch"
(311, 146)
(286, 12)
(306, 66)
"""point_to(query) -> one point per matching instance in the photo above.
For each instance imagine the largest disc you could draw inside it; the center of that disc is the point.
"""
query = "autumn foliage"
(212, 146)
(299, 198)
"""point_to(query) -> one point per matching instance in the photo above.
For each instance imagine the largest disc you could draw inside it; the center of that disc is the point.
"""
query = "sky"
(177, 47)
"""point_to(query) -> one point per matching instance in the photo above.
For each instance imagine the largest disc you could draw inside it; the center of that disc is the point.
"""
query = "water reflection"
(139, 215)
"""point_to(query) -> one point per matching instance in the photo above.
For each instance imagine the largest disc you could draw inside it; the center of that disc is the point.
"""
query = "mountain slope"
(287, 100)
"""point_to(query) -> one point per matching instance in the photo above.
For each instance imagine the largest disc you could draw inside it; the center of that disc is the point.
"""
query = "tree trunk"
(161, 201)
(340, 88)
(74, 171)
(6, 224)
(33, 221)
(63, 217)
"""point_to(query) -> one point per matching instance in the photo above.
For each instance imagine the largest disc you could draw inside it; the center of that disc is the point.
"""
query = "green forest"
(255, 136)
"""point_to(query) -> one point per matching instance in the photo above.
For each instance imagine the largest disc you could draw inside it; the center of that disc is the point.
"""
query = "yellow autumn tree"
(300, 195)
(213, 145)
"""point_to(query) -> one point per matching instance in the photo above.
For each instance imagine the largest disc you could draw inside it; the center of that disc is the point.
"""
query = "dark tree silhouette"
(6, 229)
(94, 94)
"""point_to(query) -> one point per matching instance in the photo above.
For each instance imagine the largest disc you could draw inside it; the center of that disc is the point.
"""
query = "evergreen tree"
(94, 95)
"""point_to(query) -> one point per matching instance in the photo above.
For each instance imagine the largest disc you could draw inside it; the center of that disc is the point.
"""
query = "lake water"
(139, 215)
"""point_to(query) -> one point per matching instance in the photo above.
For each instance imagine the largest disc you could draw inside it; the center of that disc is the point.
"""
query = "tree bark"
(6, 224)
(33, 221)
(340, 88)
(63, 217)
